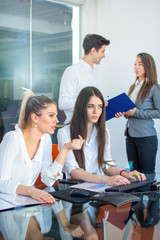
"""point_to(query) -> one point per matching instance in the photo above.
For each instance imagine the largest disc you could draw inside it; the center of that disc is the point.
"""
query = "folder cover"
(65, 195)
(120, 103)
(114, 198)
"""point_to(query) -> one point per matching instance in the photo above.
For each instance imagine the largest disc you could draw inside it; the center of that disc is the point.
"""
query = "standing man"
(81, 74)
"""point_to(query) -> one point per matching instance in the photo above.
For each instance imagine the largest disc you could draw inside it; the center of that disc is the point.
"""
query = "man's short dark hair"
(94, 41)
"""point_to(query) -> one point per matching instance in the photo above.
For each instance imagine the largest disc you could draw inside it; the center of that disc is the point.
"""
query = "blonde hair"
(27, 94)
(32, 104)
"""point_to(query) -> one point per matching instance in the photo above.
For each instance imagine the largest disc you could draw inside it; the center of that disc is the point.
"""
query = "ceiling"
(42, 10)
(53, 14)
(50, 14)
(74, 2)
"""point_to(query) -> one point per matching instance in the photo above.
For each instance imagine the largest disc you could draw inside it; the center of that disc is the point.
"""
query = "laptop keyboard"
(128, 187)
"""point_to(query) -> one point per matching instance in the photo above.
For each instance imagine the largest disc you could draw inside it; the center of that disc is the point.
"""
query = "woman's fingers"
(83, 140)
(138, 175)
(119, 114)
(42, 196)
(77, 143)
(114, 180)
(122, 180)
(49, 199)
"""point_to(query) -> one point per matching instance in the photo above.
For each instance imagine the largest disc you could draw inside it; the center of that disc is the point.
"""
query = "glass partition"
(36, 39)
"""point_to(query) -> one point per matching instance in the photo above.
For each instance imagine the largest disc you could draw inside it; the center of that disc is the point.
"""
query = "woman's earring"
(36, 125)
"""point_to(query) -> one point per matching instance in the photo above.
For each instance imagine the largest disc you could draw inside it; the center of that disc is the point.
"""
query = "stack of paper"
(8, 201)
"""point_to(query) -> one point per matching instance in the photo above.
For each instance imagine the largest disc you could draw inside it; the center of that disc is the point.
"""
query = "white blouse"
(17, 168)
(135, 92)
(90, 152)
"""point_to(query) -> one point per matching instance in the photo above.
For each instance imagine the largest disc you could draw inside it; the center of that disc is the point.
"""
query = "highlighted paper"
(120, 103)
(94, 187)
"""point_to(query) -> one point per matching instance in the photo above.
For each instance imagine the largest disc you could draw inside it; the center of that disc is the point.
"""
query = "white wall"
(132, 27)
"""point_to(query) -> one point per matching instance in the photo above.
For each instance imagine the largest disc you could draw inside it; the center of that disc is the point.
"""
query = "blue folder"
(120, 103)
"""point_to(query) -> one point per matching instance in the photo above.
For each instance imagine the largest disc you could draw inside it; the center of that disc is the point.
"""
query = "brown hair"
(79, 124)
(94, 41)
(150, 77)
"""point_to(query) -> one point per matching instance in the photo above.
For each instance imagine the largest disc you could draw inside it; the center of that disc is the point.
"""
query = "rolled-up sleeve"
(54, 169)
(51, 171)
(63, 137)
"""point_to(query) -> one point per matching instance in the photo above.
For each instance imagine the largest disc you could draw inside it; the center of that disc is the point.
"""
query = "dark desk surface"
(130, 221)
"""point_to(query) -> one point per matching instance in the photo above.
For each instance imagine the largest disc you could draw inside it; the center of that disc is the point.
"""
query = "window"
(37, 39)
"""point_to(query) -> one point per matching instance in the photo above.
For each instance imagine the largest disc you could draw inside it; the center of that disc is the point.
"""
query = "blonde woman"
(26, 151)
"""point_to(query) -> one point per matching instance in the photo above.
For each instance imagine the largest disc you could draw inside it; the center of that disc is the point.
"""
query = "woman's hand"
(114, 180)
(134, 175)
(41, 196)
(74, 230)
(75, 144)
(119, 114)
(130, 113)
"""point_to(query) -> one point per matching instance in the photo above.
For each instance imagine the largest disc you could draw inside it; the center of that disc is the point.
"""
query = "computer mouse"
(79, 193)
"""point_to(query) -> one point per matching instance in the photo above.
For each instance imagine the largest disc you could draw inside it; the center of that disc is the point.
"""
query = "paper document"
(94, 187)
(5, 205)
(12, 201)
(120, 103)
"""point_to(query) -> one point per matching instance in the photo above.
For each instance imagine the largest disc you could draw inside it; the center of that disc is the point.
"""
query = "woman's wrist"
(122, 173)
(104, 179)
(66, 148)
(30, 190)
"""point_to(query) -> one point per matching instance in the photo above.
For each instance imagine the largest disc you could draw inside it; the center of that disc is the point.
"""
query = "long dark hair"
(79, 124)
(150, 77)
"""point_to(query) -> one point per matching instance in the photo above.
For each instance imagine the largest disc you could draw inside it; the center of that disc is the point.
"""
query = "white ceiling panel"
(73, 2)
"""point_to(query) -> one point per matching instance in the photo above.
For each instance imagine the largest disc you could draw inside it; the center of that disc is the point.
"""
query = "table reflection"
(136, 221)
(26, 223)
(82, 215)
(36, 223)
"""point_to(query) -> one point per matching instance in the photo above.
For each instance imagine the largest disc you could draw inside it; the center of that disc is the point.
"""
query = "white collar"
(139, 82)
(93, 136)
(87, 65)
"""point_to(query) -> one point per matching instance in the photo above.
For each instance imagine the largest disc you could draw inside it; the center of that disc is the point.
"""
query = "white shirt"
(90, 152)
(135, 92)
(74, 79)
(17, 168)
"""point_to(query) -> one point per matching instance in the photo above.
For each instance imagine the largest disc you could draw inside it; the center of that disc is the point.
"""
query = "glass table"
(92, 220)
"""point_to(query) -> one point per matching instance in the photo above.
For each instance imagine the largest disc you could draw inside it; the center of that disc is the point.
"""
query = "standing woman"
(141, 136)
(94, 157)
(26, 151)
